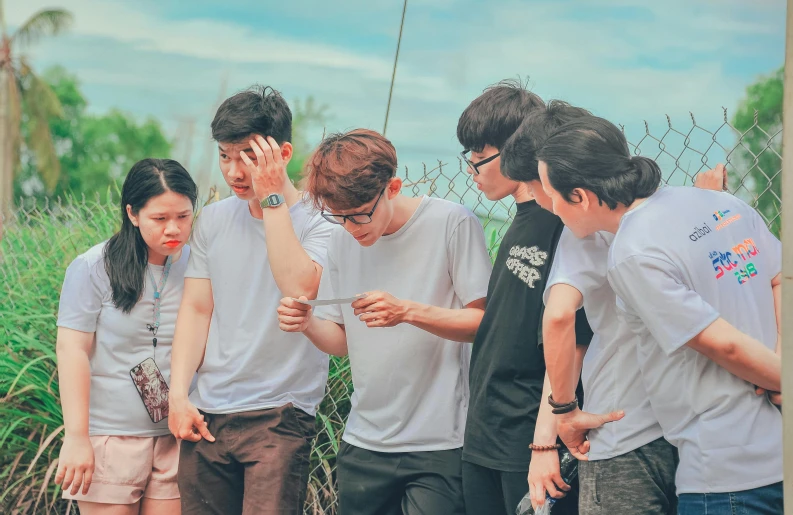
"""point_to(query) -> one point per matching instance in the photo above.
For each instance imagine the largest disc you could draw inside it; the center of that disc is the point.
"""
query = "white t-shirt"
(410, 387)
(250, 364)
(121, 341)
(611, 374)
(680, 260)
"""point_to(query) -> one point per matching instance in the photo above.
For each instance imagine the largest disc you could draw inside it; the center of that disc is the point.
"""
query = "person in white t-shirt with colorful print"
(697, 277)
(116, 323)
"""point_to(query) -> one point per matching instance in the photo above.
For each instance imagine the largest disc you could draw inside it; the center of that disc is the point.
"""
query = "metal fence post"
(787, 261)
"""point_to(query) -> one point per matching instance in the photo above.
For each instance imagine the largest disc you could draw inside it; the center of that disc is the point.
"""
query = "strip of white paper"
(328, 302)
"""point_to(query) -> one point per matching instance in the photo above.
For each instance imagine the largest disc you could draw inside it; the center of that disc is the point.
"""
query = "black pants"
(258, 464)
(495, 492)
(409, 483)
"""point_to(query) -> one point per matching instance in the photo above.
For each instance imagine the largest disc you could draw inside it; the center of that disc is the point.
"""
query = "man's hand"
(186, 423)
(268, 174)
(75, 464)
(774, 397)
(573, 428)
(381, 309)
(715, 179)
(544, 475)
(293, 316)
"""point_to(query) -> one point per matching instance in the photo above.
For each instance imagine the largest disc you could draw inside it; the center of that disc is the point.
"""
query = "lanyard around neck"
(158, 289)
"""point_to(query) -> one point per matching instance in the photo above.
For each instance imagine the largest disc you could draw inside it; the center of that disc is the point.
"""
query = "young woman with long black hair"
(115, 326)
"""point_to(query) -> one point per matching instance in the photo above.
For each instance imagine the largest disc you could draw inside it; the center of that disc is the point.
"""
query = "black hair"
(495, 114)
(519, 155)
(593, 154)
(126, 254)
(257, 110)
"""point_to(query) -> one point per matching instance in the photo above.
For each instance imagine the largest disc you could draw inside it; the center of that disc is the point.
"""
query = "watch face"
(272, 200)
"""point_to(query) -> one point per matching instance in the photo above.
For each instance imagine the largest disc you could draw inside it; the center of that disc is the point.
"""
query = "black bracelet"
(560, 409)
(566, 409)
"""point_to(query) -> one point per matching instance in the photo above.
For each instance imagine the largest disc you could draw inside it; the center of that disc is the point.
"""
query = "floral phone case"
(152, 388)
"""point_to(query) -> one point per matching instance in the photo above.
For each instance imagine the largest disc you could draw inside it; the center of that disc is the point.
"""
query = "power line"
(393, 74)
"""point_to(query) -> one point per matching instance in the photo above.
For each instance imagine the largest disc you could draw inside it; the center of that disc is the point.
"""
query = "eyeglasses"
(356, 218)
(475, 166)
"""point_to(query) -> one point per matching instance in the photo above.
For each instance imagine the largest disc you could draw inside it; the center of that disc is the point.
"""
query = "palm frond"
(47, 22)
(38, 95)
(41, 105)
(44, 149)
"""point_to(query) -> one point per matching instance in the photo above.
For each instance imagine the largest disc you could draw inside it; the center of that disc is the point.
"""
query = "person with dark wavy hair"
(423, 266)
(696, 275)
(116, 322)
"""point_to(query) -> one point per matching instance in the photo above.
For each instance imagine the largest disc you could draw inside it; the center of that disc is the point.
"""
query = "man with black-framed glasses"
(355, 218)
(424, 267)
(507, 376)
(475, 165)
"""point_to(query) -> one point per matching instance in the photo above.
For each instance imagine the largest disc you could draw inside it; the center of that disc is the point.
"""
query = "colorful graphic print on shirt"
(724, 262)
(722, 215)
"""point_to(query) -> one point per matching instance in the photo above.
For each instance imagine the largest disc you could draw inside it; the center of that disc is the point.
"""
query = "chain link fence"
(40, 242)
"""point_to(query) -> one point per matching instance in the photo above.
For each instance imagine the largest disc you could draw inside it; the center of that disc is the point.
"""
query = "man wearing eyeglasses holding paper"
(424, 267)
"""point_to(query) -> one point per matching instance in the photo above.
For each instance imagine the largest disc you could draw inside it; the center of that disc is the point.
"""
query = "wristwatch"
(274, 200)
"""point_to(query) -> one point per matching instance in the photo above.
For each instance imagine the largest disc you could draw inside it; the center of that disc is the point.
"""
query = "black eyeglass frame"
(475, 166)
(340, 219)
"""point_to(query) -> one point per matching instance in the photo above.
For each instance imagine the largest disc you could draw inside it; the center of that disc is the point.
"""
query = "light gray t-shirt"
(680, 260)
(611, 374)
(121, 340)
(410, 387)
(250, 363)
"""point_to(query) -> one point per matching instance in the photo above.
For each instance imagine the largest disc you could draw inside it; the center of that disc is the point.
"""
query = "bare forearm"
(740, 354)
(459, 325)
(74, 380)
(187, 351)
(560, 354)
(754, 362)
(545, 429)
(295, 273)
(327, 336)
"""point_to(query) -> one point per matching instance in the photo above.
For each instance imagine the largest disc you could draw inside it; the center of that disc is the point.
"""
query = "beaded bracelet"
(535, 447)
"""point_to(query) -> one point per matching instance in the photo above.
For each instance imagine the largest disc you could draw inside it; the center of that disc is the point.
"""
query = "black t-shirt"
(507, 364)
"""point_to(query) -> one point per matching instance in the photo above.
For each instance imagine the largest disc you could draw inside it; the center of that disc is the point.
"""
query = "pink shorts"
(128, 468)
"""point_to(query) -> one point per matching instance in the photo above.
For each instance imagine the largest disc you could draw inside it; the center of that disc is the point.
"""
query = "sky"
(630, 61)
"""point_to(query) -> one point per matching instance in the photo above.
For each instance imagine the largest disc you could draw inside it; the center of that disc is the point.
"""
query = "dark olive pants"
(258, 464)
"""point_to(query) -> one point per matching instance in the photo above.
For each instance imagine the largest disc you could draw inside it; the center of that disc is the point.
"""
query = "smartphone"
(152, 388)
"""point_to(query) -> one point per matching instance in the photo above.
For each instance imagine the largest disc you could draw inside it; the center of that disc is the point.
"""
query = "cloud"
(627, 60)
(222, 41)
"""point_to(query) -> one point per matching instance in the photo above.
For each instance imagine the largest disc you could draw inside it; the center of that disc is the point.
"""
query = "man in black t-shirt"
(507, 372)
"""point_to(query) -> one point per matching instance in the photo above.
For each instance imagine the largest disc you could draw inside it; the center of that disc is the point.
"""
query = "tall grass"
(37, 247)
